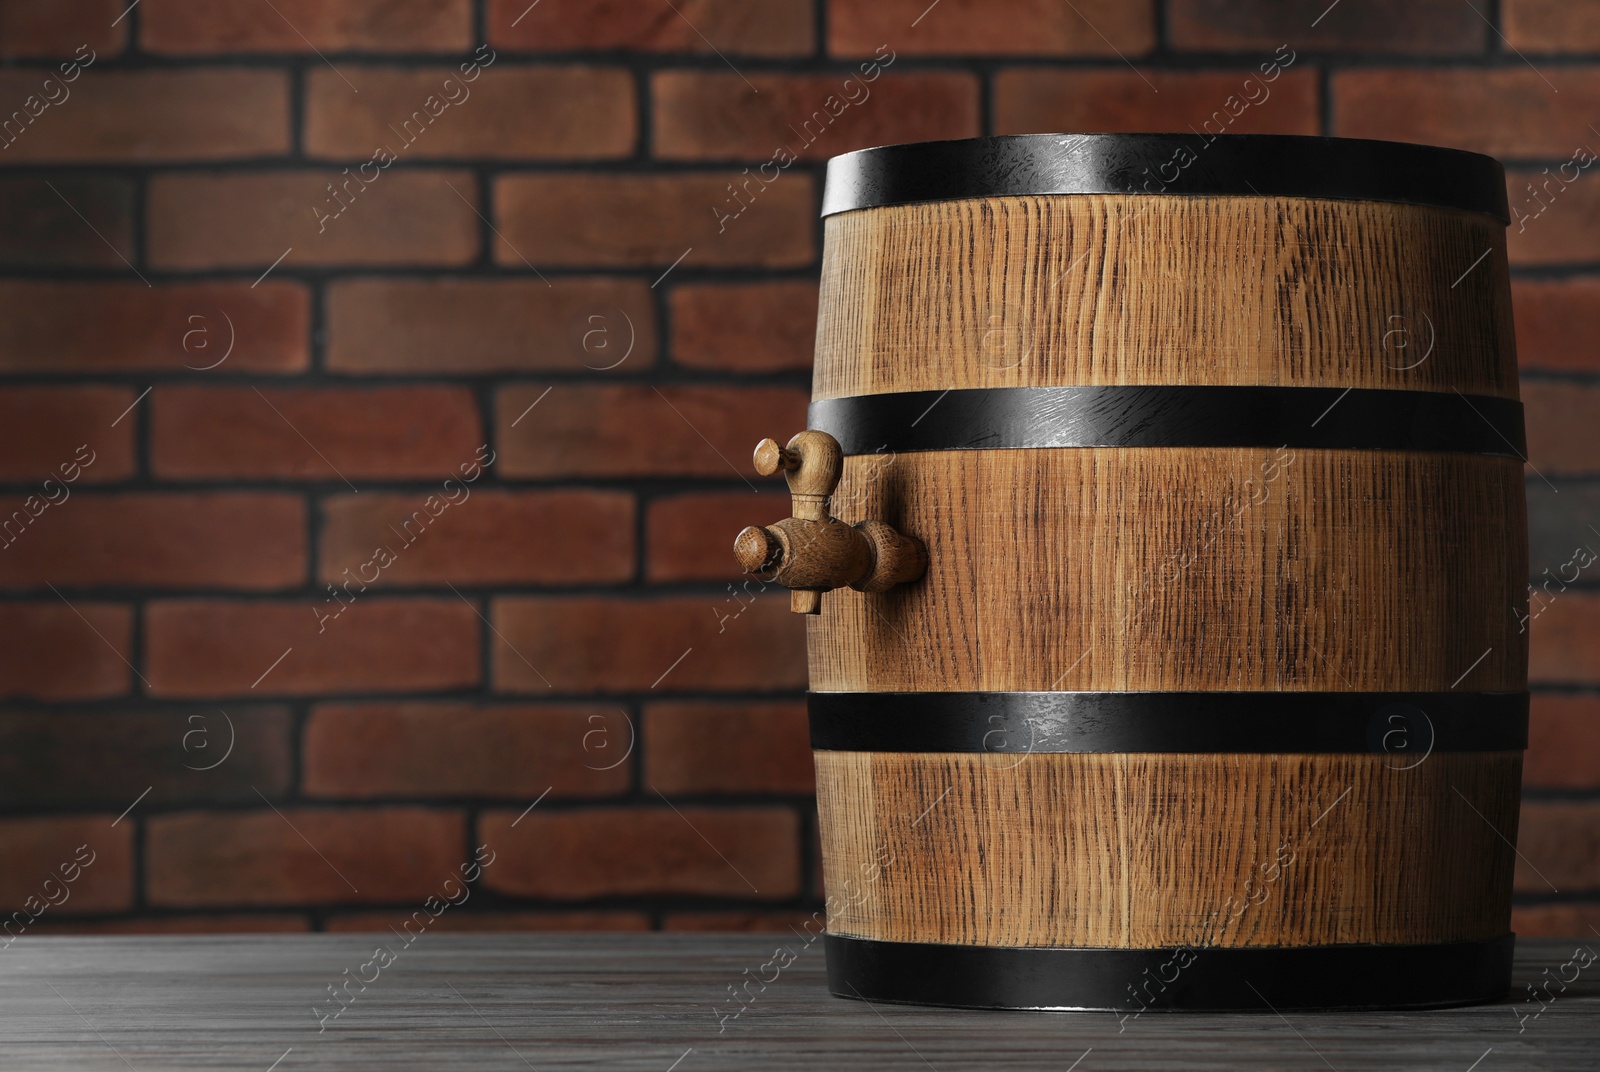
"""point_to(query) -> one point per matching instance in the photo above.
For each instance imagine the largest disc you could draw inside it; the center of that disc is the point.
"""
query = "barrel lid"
(1267, 165)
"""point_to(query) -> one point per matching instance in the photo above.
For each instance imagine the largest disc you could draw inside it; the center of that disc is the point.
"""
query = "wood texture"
(571, 1002)
(1124, 850)
(896, 558)
(1117, 569)
(813, 552)
(1108, 289)
(1174, 569)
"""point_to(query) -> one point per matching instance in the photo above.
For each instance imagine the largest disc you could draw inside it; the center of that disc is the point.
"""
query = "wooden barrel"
(1214, 692)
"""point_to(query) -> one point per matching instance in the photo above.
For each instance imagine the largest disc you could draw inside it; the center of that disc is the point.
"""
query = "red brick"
(320, 433)
(54, 28)
(1565, 641)
(1563, 742)
(1041, 99)
(464, 326)
(1563, 436)
(294, 856)
(585, 113)
(49, 652)
(1509, 111)
(1561, 843)
(240, 219)
(228, 923)
(1558, 523)
(704, 747)
(1550, 25)
(108, 758)
(1552, 318)
(771, 28)
(744, 327)
(638, 219)
(1425, 26)
(690, 537)
(239, 540)
(41, 226)
(775, 118)
(790, 923)
(148, 115)
(461, 750)
(41, 429)
(502, 922)
(1552, 224)
(590, 644)
(104, 327)
(488, 537)
(1557, 921)
(992, 28)
(728, 852)
(639, 431)
(37, 851)
(219, 648)
(202, 26)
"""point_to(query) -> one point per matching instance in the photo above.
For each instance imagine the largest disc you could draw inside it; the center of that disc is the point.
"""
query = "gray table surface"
(650, 1001)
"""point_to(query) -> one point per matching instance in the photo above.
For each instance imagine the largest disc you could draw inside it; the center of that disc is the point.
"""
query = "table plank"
(650, 1002)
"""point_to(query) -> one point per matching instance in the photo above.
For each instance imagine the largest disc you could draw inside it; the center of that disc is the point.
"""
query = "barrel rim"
(1406, 726)
(1205, 978)
(1311, 417)
(1245, 165)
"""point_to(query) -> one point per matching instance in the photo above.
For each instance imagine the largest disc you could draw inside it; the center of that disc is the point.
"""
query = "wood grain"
(581, 1002)
(1219, 569)
(1109, 289)
(812, 552)
(1149, 850)
(1202, 569)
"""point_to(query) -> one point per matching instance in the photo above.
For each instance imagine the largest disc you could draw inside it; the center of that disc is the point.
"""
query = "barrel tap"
(813, 552)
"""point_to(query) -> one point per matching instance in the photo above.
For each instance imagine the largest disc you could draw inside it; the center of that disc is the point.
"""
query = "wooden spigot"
(813, 552)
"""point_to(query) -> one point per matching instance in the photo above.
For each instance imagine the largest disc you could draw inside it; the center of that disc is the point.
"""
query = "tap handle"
(813, 552)
(812, 464)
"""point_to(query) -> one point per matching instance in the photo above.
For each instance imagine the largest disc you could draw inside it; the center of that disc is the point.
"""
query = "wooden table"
(649, 1002)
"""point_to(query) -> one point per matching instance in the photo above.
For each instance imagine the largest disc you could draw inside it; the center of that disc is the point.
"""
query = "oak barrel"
(1213, 693)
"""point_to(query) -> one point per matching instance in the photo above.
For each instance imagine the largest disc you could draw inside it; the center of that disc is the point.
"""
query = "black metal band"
(1133, 981)
(1405, 725)
(1245, 165)
(1333, 418)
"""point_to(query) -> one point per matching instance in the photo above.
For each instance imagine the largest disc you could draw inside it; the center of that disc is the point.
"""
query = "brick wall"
(272, 275)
